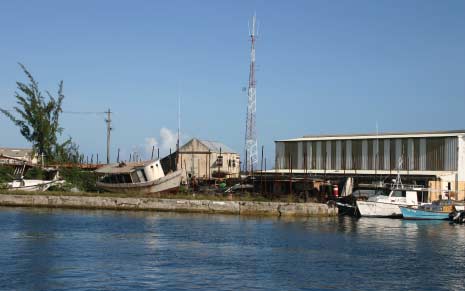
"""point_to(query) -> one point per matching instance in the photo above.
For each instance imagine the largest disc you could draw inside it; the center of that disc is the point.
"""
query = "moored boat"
(388, 206)
(347, 205)
(412, 213)
(438, 210)
(399, 195)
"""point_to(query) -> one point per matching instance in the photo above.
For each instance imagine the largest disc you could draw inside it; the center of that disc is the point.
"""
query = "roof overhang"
(450, 133)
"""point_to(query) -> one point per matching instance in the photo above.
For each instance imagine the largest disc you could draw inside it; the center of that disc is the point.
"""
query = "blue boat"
(412, 213)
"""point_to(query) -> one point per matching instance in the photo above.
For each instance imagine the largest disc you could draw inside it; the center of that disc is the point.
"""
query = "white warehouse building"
(437, 157)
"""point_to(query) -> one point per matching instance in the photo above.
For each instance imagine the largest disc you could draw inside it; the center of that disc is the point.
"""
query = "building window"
(219, 161)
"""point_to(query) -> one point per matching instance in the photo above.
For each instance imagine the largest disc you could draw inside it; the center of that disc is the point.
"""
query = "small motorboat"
(438, 210)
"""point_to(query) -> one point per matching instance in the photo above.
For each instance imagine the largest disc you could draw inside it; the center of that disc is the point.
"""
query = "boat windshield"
(398, 193)
(369, 193)
(382, 192)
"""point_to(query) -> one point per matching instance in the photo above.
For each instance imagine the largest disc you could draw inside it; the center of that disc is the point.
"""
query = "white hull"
(378, 209)
(168, 183)
(459, 207)
(32, 185)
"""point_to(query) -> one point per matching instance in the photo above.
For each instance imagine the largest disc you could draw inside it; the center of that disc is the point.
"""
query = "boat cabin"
(414, 196)
(131, 173)
(410, 196)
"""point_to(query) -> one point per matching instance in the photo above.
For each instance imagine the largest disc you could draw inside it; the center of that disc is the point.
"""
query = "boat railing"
(395, 186)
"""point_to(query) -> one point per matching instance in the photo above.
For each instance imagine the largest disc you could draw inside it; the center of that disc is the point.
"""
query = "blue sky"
(322, 67)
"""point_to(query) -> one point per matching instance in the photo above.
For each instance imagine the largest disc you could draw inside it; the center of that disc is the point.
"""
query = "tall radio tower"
(250, 129)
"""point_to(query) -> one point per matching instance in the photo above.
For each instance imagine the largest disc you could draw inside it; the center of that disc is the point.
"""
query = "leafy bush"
(77, 178)
(6, 174)
(34, 174)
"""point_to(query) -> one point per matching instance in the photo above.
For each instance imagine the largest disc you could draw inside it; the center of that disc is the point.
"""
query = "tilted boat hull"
(378, 209)
(411, 213)
(168, 183)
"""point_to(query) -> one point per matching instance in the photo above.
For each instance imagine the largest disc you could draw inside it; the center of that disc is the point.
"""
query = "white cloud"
(150, 143)
(165, 142)
(168, 139)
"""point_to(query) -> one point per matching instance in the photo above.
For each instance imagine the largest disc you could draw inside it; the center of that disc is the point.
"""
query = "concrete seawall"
(177, 205)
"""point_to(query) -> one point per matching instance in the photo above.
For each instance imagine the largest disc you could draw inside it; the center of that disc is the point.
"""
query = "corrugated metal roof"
(379, 135)
(15, 152)
(120, 168)
(215, 146)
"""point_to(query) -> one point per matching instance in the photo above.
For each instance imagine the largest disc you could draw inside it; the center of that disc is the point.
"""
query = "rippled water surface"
(45, 249)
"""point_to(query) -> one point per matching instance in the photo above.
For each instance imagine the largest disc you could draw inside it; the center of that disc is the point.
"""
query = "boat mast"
(400, 162)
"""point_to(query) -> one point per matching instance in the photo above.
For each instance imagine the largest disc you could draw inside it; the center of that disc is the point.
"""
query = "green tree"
(38, 120)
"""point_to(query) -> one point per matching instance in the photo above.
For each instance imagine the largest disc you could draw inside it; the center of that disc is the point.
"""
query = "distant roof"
(120, 168)
(380, 135)
(15, 152)
(214, 146)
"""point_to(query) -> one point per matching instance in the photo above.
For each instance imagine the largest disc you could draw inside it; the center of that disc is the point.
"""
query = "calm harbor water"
(52, 249)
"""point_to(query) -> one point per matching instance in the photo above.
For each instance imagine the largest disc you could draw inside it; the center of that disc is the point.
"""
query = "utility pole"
(178, 154)
(219, 165)
(42, 155)
(108, 121)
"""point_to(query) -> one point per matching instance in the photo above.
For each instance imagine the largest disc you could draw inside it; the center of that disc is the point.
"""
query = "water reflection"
(68, 249)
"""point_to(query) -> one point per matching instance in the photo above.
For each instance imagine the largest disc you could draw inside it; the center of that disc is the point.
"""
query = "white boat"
(144, 177)
(388, 206)
(32, 185)
(399, 195)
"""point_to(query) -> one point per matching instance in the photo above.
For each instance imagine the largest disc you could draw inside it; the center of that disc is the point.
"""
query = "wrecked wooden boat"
(139, 177)
(51, 177)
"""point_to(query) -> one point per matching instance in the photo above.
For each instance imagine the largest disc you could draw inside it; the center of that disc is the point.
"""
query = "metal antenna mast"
(250, 130)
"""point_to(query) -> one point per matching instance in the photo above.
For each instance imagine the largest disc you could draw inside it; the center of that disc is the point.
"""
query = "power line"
(68, 112)
(84, 112)
(108, 121)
